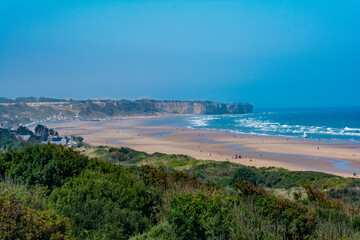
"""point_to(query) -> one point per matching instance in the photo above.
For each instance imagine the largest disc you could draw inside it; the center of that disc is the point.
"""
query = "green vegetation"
(43, 133)
(281, 178)
(116, 205)
(206, 170)
(53, 192)
(226, 173)
(25, 214)
(9, 139)
(47, 165)
(22, 137)
(12, 138)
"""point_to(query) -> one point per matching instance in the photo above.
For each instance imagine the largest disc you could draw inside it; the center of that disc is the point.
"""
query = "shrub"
(34, 197)
(355, 223)
(198, 216)
(160, 177)
(20, 222)
(48, 165)
(323, 199)
(112, 205)
(162, 231)
(299, 221)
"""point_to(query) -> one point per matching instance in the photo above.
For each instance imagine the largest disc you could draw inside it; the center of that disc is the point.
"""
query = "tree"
(24, 131)
(42, 132)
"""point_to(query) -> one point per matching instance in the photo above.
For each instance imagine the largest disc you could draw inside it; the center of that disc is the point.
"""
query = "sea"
(338, 124)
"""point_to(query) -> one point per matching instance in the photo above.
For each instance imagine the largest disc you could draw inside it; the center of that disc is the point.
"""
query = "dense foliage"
(9, 139)
(116, 205)
(275, 178)
(20, 222)
(13, 138)
(53, 192)
(198, 216)
(48, 165)
(43, 133)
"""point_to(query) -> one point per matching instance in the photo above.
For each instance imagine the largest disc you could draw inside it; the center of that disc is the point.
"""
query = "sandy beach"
(300, 155)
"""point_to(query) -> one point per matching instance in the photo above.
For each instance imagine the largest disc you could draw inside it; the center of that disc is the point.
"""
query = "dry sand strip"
(256, 151)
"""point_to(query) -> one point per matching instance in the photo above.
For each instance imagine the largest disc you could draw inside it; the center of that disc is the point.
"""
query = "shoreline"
(258, 151)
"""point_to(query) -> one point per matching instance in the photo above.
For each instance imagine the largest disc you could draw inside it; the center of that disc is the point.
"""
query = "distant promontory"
(30, 109)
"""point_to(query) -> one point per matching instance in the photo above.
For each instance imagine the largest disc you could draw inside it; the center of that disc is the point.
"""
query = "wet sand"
(256, 151)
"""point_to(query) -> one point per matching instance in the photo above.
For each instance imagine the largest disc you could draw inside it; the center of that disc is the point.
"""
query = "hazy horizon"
(281, 54)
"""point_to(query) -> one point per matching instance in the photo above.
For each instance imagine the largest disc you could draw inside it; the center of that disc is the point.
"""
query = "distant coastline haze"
(267, 53)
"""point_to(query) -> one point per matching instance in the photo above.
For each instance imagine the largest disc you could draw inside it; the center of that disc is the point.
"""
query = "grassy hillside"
(226, 173)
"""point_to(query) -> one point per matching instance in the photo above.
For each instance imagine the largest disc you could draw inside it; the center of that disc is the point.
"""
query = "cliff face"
(114, 108)
(23, 112)
(203, 107)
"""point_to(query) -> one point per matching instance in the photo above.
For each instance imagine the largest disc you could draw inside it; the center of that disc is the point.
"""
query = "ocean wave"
(266, 126)
(261, 124)
(202, 121)
(352, 129)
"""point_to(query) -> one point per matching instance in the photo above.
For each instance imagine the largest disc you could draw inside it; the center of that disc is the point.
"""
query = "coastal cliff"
(24, 110)
(203, 107)
(153, 107)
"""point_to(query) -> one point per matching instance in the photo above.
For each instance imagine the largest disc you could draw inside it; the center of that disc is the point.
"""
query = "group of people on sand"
(237, 156)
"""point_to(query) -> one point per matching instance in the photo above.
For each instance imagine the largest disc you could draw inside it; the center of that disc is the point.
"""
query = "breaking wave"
(315, 125)
(201, 121)
(268, 127)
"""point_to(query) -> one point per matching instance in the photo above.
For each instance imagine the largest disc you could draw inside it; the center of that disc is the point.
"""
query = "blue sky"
(269, 53)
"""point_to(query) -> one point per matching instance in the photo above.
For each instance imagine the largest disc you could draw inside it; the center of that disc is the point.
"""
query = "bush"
(48, 165)
(33, 197)
(107, 205)
(20, 222)
(162, 231)
(299, 221)
(355, 223)
(198, 217)
(159, 177)
(321, 198)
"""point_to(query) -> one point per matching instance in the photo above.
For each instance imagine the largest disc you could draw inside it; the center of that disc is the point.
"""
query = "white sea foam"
(352, 129)
(198, 122)
(261, 125)
(201, 121)
(266, 126)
